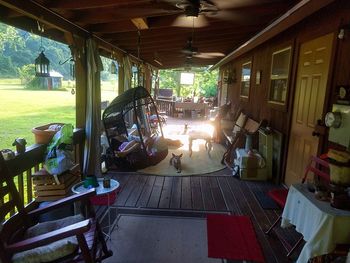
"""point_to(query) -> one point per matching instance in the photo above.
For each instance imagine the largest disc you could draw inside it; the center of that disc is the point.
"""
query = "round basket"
(43, 135)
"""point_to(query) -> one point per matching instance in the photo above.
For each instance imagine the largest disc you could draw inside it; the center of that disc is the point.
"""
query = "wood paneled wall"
(327, 20)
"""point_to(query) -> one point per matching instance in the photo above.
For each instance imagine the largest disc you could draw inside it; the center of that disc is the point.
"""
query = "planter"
(43, 134)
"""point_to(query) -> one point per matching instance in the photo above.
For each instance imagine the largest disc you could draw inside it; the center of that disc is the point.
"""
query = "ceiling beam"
(166, 32)
(103, 15)
(113, 27)
(89, 4)
(37, 12)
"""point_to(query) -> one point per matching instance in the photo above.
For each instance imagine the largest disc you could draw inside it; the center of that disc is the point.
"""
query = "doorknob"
(314, 133)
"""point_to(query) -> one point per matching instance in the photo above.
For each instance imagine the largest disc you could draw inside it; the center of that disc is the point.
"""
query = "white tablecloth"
(321, 225)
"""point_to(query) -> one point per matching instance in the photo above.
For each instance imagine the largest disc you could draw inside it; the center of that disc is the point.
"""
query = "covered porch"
(242, 40)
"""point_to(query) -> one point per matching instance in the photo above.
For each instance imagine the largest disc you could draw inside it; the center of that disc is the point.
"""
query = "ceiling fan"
(191, 51)
(200, 9)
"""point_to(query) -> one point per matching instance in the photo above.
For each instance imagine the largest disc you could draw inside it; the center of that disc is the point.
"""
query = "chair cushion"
(279, 196)
(52, 251)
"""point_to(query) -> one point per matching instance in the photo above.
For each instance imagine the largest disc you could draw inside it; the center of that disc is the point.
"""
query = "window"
(279, 76)
(245, 79)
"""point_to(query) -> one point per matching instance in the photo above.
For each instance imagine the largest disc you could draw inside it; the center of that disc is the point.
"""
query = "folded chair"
(22, 239)
(319, 168)
(244, 127)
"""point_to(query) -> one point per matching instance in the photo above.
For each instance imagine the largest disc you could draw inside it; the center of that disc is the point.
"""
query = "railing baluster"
(29, 186)
(20, 185)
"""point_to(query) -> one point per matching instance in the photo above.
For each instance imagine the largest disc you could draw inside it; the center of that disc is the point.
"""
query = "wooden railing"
(166, 106)
(23, 165)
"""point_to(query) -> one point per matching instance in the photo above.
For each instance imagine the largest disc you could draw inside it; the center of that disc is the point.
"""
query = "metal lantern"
(113, 68)
(42, 65)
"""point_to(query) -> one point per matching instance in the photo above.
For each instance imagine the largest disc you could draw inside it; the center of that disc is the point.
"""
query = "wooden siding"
(329, 19)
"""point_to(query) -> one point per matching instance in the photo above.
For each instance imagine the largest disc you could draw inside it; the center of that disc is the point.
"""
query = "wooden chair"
(320, 168)
(249, 128)
(15, 240)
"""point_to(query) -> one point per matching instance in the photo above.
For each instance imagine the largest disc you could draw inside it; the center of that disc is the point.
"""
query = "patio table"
(321, 225)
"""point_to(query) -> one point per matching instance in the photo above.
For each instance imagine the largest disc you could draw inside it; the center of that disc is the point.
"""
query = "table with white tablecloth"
(321, 225)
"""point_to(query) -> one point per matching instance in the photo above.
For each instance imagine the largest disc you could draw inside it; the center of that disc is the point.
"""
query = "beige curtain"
(92, 153)
(127, 66)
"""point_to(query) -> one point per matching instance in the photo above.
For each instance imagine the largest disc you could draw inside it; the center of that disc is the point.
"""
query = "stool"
(196, 135)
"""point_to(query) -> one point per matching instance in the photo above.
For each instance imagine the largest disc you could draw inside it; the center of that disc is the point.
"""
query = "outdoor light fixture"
(113, 69)
(42, 63)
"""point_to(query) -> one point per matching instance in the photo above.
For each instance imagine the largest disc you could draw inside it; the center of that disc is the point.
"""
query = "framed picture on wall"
(279, 76)
(245, 79)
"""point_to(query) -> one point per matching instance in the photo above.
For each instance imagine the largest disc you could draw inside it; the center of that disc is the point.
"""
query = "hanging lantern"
(42, 65)
(113, 68)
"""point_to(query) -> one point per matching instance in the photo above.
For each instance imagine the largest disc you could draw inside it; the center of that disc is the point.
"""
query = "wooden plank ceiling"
(159, 28)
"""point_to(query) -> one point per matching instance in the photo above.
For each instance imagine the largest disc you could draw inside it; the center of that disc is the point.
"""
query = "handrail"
(166, 106)
(23, 165)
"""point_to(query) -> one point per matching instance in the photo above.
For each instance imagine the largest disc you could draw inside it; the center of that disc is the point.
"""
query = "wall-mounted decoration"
(258, 77)
(343, 94)
(245, 79)
(229, 75)
(279, 76)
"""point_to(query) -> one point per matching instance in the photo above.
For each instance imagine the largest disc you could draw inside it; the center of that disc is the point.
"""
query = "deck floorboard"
(198, 195)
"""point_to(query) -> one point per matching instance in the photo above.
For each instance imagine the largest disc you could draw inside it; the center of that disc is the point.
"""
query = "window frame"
(285, 77)
(244, 96)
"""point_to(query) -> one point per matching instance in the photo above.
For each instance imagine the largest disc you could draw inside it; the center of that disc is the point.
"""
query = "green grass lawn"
(21, 110)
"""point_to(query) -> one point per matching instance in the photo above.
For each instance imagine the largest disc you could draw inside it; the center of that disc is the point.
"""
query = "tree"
(205, 83)
(19, 48)
(9, 37)
(26, 73)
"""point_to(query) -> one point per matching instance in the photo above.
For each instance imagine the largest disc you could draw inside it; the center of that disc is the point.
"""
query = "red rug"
(232, 237)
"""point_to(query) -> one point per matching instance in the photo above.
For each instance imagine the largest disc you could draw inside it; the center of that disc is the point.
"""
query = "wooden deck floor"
(199, 195)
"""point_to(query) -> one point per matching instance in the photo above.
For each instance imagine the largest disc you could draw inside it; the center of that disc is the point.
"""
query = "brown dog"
(176, 162)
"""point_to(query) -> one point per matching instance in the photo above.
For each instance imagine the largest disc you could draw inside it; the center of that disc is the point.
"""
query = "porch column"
(148, 78)
(80, 83)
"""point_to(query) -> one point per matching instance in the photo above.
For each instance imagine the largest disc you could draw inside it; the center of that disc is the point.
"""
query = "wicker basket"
(43, 135)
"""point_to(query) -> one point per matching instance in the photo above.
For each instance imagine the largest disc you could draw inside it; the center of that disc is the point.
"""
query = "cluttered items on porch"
(128, 116)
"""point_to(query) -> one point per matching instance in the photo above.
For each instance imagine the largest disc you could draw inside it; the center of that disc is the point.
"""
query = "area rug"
(264, 200)
(140, 239)
(200, 162)
(232, 237)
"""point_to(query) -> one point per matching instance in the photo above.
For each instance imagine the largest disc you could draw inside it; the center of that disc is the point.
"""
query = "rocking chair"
(71, 239)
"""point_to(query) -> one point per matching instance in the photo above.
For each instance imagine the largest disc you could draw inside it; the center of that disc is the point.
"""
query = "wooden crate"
(48, 187)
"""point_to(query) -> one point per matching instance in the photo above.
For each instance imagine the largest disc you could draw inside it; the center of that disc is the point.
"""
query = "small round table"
(100, 191)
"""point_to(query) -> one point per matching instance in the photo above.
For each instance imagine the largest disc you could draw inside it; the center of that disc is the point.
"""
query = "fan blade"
(234, 16)
(225, 4)
(186, 21)
(209, 55)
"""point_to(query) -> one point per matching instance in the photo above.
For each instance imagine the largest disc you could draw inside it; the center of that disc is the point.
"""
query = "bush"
(37, 83)
(26, 73)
